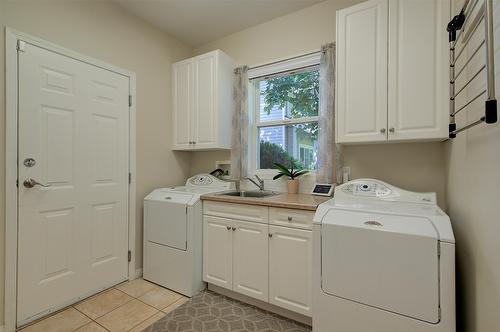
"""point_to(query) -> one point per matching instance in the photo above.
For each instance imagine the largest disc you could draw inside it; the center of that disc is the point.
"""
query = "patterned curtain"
(330, 154)
(239, 144)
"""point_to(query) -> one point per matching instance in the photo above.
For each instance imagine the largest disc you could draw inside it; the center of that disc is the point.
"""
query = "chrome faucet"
(260, 183)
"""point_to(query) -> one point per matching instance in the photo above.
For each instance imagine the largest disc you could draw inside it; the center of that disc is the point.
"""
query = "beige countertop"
(283, 200)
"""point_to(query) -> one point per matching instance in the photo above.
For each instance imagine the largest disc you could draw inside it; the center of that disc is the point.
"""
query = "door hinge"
(186, 210)
(129, 100)
(17, 183)
(439, 249)
(439, 313)
(129, 256)
(21, 46)
(129, 178)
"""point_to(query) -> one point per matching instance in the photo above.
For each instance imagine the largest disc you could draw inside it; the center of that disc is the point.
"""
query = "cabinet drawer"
(291, 218)
(236, 211)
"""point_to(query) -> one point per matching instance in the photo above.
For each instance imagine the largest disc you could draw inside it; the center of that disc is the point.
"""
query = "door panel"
(250, 259)
(217, 251)
(73, 235)
(362, 72)
(418, 69)
(290, 269)
(183, 99)
(204, 101)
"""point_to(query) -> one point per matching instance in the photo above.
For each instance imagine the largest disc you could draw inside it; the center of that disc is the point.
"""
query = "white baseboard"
(138, 274)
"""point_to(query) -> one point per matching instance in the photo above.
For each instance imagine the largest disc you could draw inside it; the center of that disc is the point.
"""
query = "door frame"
(11, 155)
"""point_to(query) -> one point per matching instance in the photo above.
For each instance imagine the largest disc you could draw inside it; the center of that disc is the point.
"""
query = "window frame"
(308, 62)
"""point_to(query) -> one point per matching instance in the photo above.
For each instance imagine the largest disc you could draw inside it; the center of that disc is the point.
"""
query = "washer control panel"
(201, 180)
(207, 181)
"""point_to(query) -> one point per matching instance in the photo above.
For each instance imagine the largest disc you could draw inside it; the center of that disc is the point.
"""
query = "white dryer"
(384, 261)
(173, 234)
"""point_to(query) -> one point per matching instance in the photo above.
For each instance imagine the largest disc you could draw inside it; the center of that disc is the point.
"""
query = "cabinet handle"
(270, 235)
(234, 228)
(391, 130)
(290, 218)
(382, 131)
(228, 228)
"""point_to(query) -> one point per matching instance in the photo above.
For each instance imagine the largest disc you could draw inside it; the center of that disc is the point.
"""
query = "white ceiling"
(196, 22)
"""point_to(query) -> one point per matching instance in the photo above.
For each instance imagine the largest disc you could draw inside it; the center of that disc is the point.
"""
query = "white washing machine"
(384, 261)
(173, 234)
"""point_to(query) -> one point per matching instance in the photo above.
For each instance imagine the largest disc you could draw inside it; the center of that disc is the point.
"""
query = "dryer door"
(386, 261)
(165, 220)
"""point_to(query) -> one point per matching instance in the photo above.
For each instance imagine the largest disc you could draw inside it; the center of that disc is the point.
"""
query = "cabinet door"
(290, 269)
(418, 69)
(217, 251)
(250, 259)
(182, 77)
(205, 113)
(362, 72)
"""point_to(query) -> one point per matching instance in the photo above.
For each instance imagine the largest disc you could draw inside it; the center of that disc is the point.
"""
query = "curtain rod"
(283, 60)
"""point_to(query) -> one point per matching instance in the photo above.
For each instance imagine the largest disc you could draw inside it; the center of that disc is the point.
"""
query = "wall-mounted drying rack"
(461, 28)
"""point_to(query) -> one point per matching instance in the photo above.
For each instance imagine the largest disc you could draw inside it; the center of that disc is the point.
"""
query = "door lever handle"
(30, 183)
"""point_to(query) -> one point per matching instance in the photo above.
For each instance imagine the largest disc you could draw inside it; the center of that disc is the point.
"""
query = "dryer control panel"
(379, 190)
(367, 188)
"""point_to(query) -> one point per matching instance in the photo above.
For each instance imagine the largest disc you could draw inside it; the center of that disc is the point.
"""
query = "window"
(285, 126)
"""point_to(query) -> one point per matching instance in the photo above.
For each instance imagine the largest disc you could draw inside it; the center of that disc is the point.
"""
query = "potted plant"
(292, 182)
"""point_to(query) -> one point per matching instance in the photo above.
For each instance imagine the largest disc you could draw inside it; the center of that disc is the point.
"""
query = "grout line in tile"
(157, 311)
(131, 299)
(101, 325)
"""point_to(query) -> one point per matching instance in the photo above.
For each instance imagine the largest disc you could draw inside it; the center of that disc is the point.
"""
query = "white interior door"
(362, 72)
(73, 234)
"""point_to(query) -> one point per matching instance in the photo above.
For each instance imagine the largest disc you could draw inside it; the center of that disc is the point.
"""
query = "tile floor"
(130, 306)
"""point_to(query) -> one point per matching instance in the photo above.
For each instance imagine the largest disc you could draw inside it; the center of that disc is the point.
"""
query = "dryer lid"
(379, 221)
(170, 196)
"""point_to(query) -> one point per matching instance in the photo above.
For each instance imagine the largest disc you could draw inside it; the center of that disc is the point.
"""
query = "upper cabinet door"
(205, 115)
(182, 77)
(362, 72)
(418, 69)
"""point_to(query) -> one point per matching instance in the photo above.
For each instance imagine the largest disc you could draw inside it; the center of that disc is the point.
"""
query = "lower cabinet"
(218, 251)
(266, 262)
(290, 266)
(250, 259)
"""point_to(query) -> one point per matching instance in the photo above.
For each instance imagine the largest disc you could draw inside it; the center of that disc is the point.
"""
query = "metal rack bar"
(468, 60)
(469, 81)
(468, 103)
(458, 23)
(470, 125)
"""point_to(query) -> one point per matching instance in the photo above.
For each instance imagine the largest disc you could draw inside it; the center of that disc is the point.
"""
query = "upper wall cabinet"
(392, 71)
(202, 102)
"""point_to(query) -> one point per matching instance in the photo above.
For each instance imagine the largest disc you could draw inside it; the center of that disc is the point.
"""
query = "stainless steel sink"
(250, 193)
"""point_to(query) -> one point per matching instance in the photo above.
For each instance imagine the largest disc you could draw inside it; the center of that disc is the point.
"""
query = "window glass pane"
(284, 144)
(289, 97)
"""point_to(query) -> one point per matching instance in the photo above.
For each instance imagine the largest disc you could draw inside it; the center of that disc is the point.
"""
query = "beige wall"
(416, 166)
(104, 31)
(473, 167)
